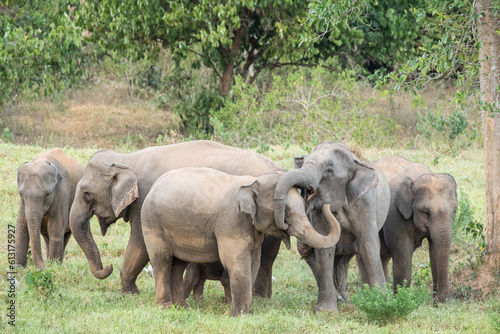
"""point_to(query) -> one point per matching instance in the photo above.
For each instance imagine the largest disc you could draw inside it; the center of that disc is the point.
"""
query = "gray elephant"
(423, 206)
(197, 273)
(204, 215)
(47, 188)
(359, 196)
(114, 185)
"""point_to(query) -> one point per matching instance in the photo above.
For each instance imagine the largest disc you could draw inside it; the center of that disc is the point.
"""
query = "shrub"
(40, 281)
(303, 106)
(382, 305)
(7, 136)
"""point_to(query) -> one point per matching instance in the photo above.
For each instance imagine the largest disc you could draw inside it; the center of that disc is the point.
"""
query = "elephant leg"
(191, 280)
(162, 269)
(198, 289)
(224, 280)
(177, 286)
(321, 263)
(237, 259)
(369, 255)
(401, 270)
(22, 238)
(56, 241)
(263, 286)
(341, 270)
(135, 259)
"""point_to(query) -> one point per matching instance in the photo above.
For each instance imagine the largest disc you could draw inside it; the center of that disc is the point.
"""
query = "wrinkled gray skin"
(114, 186)
(197, 273)
(203, 215)
(359, 196)
(423, 206)
(47, 188)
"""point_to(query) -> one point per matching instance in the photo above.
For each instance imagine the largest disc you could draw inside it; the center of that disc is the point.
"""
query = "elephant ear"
(58, 173)
(405, 197)
(364, 178)
(123, 188)
(298, 162)
(246, 199)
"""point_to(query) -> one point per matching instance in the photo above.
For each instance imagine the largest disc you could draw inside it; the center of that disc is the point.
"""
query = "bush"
(303, 106)
(40, 281)
(382, 305)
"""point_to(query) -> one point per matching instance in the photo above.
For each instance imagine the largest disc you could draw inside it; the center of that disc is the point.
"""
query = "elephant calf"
(422, 206)
(47, 188)
(197, 273)
(203, 215)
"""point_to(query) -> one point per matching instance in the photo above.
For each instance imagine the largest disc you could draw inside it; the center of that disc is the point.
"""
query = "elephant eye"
(426, 213)
(329, 170)
(86, 196)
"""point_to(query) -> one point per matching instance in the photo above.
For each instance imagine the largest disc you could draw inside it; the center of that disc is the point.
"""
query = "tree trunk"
(227, 76)
(489, 55)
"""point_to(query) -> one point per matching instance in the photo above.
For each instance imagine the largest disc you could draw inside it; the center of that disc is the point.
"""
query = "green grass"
(80, 303)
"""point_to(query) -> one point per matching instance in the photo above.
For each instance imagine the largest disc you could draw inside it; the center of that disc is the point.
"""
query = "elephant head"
(36, 183)
(331, 174)
(430, 203)
(256, 200)
(105, 190)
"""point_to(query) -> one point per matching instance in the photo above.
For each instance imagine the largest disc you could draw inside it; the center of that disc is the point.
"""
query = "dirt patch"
(477, 283)
(92, 118)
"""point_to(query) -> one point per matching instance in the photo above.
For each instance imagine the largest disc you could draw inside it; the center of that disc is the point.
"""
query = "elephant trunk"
(80, 227)
(440, 247)
(34, 215)
(306, 233)
(303, 177)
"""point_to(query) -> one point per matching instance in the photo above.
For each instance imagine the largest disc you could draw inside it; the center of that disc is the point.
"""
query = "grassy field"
(80, 303)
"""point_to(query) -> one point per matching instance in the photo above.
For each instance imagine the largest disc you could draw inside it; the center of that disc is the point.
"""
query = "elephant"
(114, 185)
(46, 186)
(197, 273)
(203, 215)
(359, 196)
(423, 205)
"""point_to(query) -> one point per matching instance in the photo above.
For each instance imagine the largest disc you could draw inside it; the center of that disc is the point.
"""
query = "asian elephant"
(204, 215)
(359, 196)
(46, 186)
(114, 185)
(197, 273)
(423, 206)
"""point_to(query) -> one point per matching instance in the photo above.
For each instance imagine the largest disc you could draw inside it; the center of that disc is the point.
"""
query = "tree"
(489, 56)
(229, 36)
(40, 48)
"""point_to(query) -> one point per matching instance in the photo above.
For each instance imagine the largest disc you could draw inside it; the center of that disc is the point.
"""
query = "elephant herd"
(202, 210)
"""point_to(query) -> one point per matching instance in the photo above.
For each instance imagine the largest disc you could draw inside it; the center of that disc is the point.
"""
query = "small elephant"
(423, 205)
(47, 188)
(197, 273)
(359, 195)
(203, 215)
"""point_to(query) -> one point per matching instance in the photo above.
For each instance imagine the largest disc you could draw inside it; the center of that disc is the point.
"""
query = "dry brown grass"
(96, 117)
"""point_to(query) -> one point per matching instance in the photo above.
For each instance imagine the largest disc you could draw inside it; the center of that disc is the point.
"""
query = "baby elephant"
(47, 188)
(196, 275)
(202, 215)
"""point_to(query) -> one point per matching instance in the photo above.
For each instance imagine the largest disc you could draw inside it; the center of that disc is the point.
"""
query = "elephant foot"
(326, 307)
(132, 290)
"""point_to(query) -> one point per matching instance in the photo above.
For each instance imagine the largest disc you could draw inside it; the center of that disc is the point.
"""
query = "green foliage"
(7, 136)
(383, 305)
(40, 281)
(495, 317)
(451, 134)
(40, 48)
(306, 106)
(224, 35)
(422, 276)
